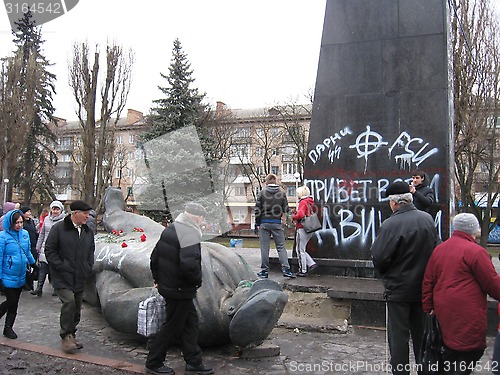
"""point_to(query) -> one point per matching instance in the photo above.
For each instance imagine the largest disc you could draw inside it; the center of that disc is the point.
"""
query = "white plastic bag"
(151, 315)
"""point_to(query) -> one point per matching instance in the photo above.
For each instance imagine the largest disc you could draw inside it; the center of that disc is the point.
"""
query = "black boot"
(38, 290)
(9, 323)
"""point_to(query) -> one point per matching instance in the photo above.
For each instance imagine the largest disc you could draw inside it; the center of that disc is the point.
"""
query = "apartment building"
(68, 151)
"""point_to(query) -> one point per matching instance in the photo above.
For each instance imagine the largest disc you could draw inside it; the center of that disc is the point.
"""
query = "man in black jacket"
(70, 254)
(29, 225)
(271, 207)
(423, 195)
(400, 253)
(176, 268)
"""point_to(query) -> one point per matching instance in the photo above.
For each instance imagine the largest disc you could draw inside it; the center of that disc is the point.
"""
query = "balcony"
(65, 147)
(240, 160)
(287, 158)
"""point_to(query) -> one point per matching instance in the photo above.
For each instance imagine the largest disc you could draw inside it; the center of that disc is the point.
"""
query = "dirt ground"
(16, 361)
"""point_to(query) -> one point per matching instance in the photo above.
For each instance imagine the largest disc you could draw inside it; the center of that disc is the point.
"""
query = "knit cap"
(466, 223)
(25, 209)
(57, 204)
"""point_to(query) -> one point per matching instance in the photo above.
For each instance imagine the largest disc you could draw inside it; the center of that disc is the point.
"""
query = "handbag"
(311, 222)
(432, 349)
(151, 315)
(30, 271)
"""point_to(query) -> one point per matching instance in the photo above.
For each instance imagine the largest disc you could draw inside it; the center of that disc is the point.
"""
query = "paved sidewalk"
(359, 351)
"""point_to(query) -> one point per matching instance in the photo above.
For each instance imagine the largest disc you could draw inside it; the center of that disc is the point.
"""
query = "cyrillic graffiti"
(349, 202)
(369, 142)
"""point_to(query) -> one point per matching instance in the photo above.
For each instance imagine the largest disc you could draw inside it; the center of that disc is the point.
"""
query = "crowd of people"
(421, 274)
(61, 246)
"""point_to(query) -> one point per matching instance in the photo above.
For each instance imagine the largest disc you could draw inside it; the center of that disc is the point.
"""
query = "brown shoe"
(78, 344)
(68, 345)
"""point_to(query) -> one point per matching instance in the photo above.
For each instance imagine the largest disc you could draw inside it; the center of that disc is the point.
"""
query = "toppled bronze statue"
(231, 305)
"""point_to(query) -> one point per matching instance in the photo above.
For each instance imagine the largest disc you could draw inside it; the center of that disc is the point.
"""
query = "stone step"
(324, 302)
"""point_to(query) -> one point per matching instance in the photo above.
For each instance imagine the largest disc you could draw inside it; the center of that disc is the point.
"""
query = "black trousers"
(10, 305)
(460, 363)
(404, 318)
(180, 327)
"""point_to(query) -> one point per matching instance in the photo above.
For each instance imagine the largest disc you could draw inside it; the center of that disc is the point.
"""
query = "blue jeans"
(305, 260)
(496, 355)
(265, 232)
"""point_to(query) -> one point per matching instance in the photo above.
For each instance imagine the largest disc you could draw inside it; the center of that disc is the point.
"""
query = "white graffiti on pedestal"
(369, 142)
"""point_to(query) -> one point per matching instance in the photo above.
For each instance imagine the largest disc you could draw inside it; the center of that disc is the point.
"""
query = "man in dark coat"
(70, 254)
(423, 195)
(176, 269)
(400, 254)
(29, 225)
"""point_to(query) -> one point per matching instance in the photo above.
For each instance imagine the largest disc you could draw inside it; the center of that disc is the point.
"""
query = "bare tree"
(476, 69)
(296, 118)
(98, 137)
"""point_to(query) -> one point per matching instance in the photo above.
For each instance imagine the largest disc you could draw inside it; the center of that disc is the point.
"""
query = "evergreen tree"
(177, 146)
(35, 170)
(182, 105)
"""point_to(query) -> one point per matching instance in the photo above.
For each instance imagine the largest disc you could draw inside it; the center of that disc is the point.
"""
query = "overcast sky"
(247, 54)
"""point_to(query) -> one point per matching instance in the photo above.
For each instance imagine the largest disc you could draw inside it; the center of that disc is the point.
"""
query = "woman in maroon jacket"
(306, 202)
(457, 279)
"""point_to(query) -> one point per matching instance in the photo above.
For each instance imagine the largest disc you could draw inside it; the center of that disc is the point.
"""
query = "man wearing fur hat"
(176, 269)
(69, 250)
(457, 280)
(400, 253)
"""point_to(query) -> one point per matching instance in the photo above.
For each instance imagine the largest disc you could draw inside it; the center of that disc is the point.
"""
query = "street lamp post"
(5, 182)
(296, 175)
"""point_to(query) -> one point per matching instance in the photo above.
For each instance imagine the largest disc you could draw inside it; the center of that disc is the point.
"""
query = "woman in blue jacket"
(15, 255)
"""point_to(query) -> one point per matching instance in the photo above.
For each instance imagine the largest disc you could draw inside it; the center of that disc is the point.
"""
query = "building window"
(240, 191)
(241, 133)
(259, 152)
(240, 151)
(131, 139)
(119, 140)
(65, 158)
(275, 151)
(260, 170)
(118, 173)
(290, 191)
(65, 173)
(289, 168)
(275, 170)
(66, 141)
